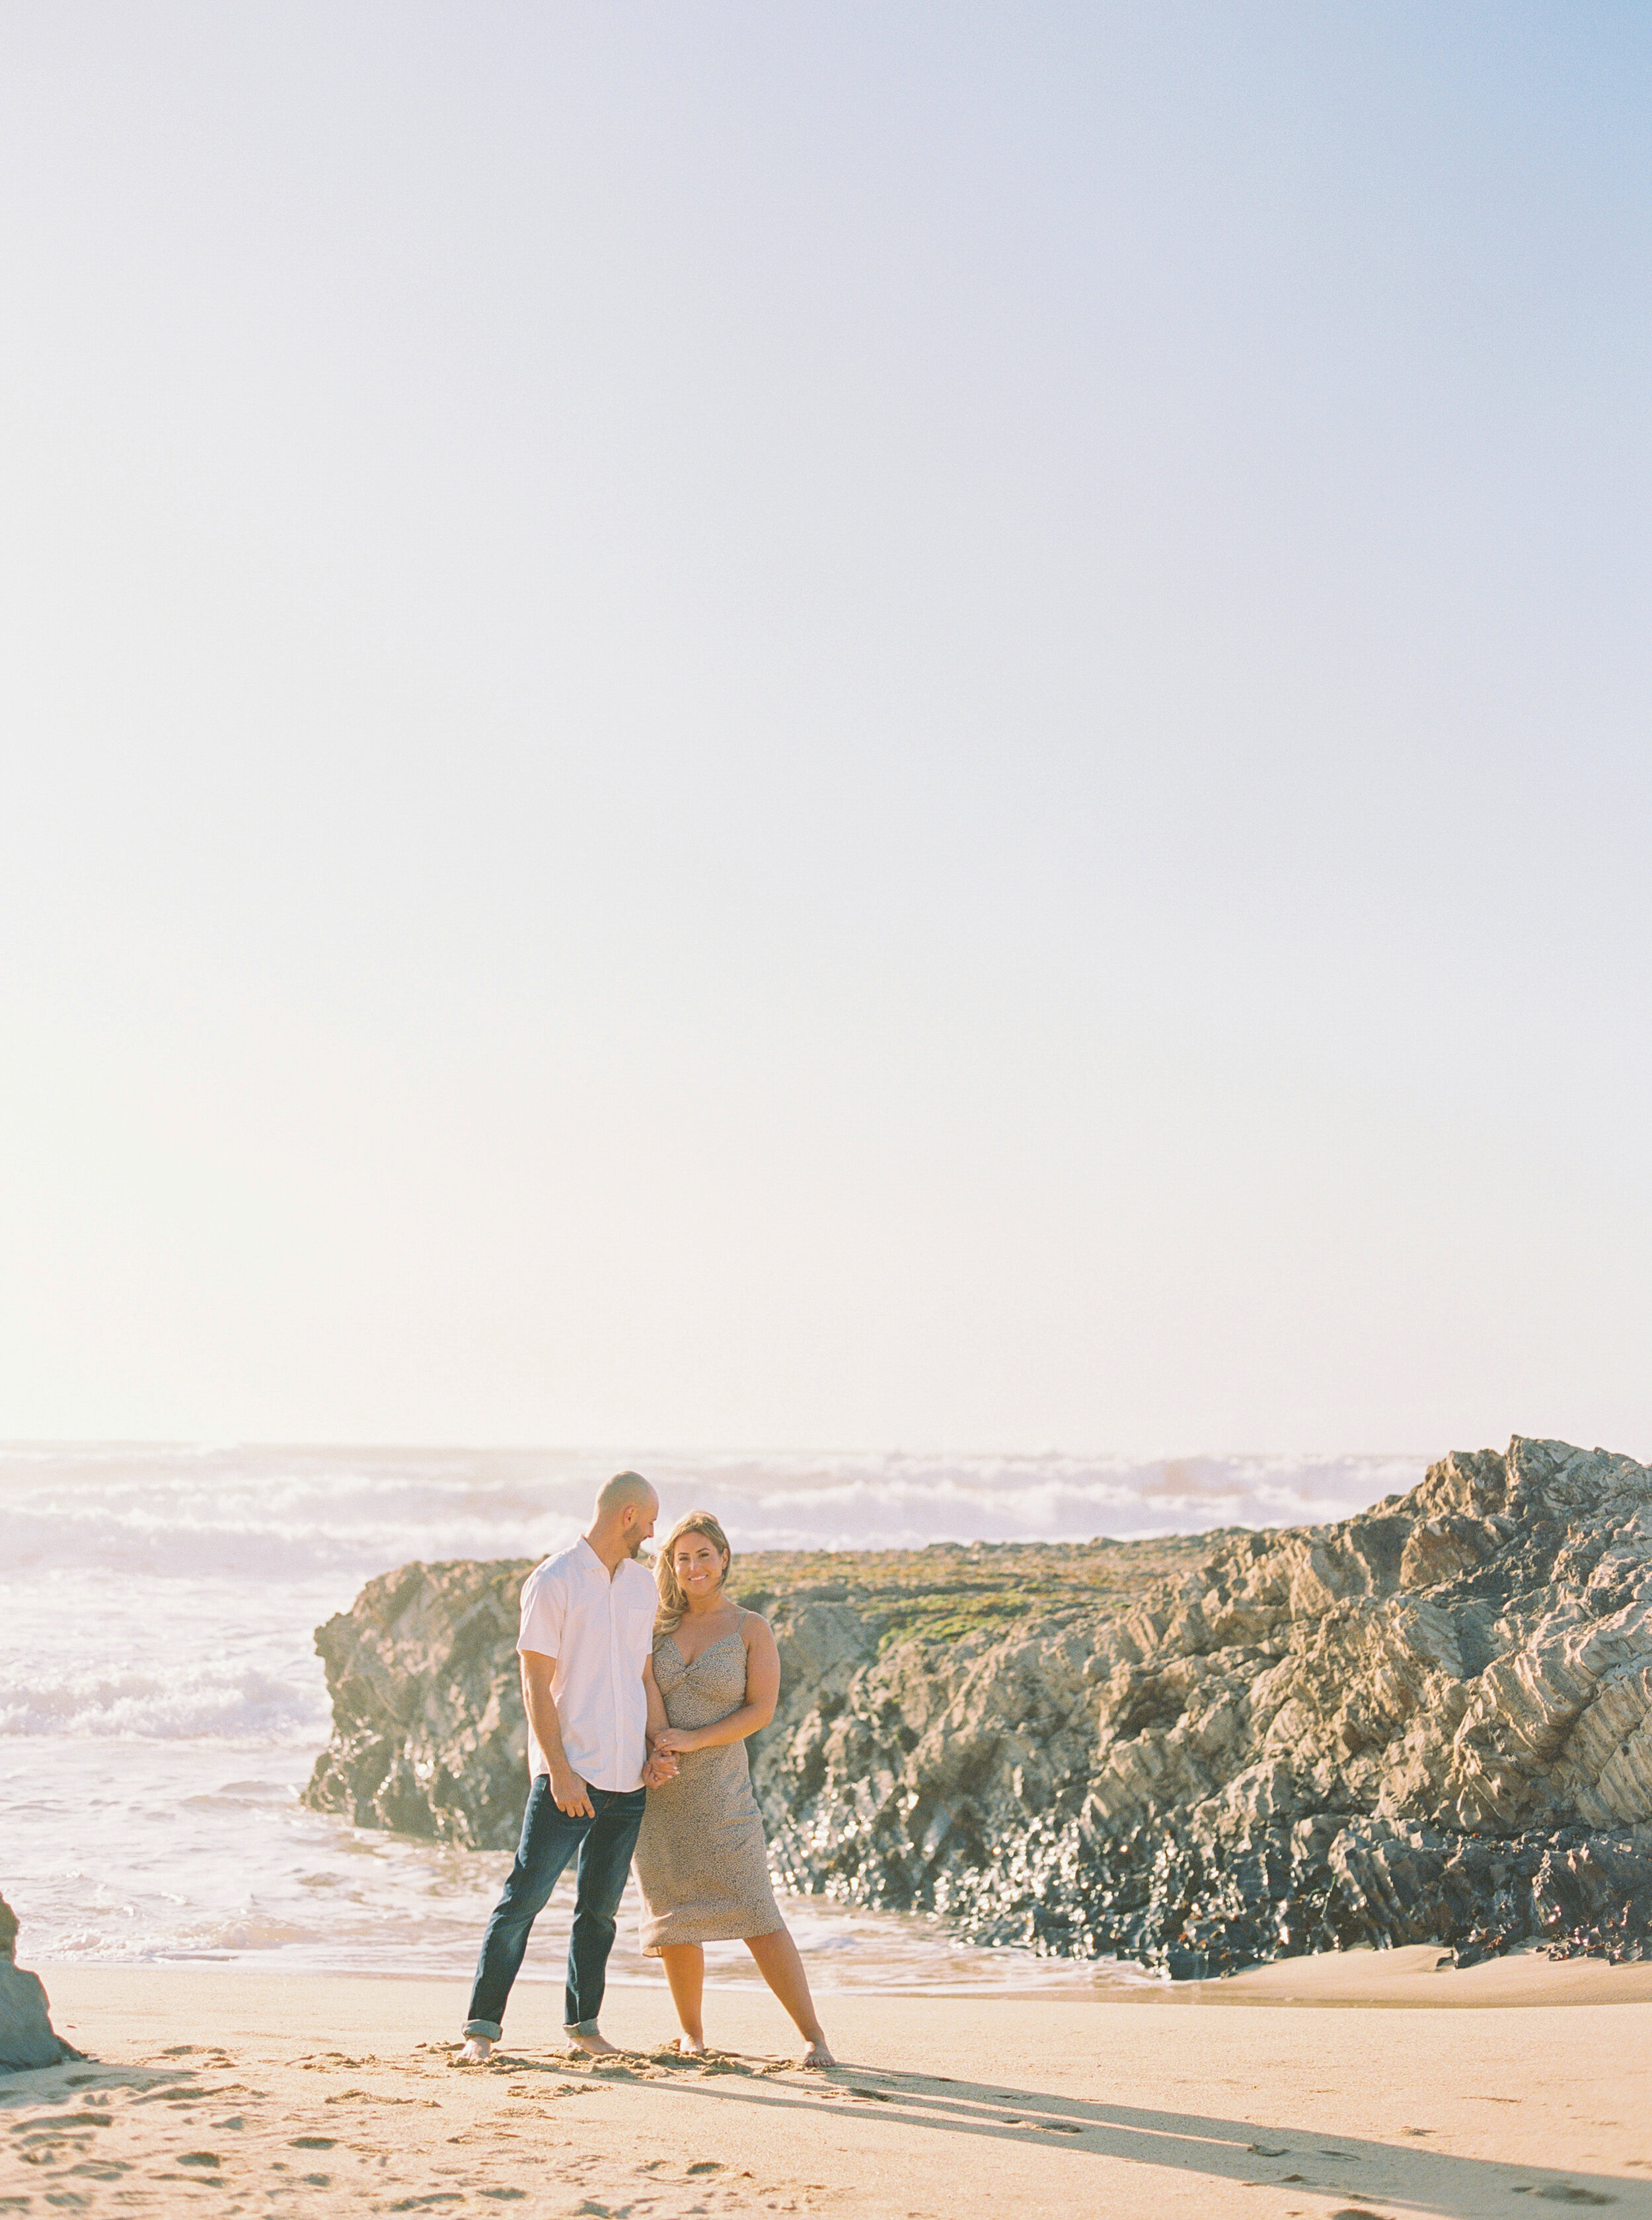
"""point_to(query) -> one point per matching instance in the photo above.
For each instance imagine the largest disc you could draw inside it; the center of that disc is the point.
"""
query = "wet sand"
(226, 2090)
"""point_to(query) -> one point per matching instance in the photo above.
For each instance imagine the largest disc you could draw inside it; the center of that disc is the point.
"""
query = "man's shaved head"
(627, 1491)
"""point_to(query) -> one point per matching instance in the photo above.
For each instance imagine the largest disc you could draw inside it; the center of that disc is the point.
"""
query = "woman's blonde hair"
(673, 1601)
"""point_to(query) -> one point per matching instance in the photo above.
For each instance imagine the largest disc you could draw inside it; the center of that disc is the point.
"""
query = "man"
(587, 1628)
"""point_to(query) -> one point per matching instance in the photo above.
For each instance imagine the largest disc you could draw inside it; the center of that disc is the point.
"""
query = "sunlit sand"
(243, 2092)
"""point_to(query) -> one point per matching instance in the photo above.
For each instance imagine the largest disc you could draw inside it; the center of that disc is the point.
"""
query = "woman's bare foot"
(476, 2051)
(594, 2046)
(686, 2046)
(817, 2054)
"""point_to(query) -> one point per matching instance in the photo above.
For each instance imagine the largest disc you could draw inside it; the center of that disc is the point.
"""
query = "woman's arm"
(761, 1694)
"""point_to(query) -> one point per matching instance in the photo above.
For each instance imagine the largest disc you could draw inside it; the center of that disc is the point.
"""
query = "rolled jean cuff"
(580, 2027)
(490, 2028)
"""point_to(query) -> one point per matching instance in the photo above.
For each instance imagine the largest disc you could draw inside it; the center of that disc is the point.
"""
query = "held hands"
(669, 1745)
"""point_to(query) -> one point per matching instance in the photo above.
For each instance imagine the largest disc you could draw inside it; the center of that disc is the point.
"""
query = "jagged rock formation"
(1429, 1722)
(428, 1734)
(27, 2038)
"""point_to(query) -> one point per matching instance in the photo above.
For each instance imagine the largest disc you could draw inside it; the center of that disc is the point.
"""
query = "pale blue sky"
(855, 724)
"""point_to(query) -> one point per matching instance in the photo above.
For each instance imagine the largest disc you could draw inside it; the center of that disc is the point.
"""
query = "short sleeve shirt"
(601, 1631)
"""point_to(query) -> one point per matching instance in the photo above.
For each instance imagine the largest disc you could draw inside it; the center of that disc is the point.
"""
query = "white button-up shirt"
(600, 1632)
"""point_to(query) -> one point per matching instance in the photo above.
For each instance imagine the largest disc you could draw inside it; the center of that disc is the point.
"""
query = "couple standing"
(641, 1692)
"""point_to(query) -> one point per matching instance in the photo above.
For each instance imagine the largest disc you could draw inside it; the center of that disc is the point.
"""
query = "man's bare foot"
(477, 2050)
(686, 2046)
(594, 2046)
(817, 2054)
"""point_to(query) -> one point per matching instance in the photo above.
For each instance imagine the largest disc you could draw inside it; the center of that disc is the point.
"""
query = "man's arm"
(660, 1767)
(567, 1789)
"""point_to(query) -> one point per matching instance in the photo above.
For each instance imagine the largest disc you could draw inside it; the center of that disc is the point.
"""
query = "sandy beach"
(1468, 2094)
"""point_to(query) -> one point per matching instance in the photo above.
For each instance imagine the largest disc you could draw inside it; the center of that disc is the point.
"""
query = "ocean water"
(162, 1703)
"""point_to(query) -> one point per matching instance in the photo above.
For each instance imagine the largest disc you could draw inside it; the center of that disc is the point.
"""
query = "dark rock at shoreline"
(27, 2036)
(1431, 1722)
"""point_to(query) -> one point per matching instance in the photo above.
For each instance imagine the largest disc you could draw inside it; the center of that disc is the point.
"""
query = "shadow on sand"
(1368, 2178)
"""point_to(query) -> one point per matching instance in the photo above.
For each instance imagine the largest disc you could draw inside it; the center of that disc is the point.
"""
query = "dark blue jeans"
(550, 1838)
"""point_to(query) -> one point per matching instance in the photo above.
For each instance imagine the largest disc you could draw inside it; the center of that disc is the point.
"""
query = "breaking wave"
(270, 1515)
(196, 1702)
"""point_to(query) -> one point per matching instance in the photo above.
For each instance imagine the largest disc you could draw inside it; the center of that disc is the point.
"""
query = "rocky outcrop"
(1429, 1722)
(27, 2038)
(428, 1733)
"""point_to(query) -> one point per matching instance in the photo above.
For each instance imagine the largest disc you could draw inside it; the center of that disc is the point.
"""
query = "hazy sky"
(829, 725)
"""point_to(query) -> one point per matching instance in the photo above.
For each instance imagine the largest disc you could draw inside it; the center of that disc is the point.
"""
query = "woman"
(701, 1860)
